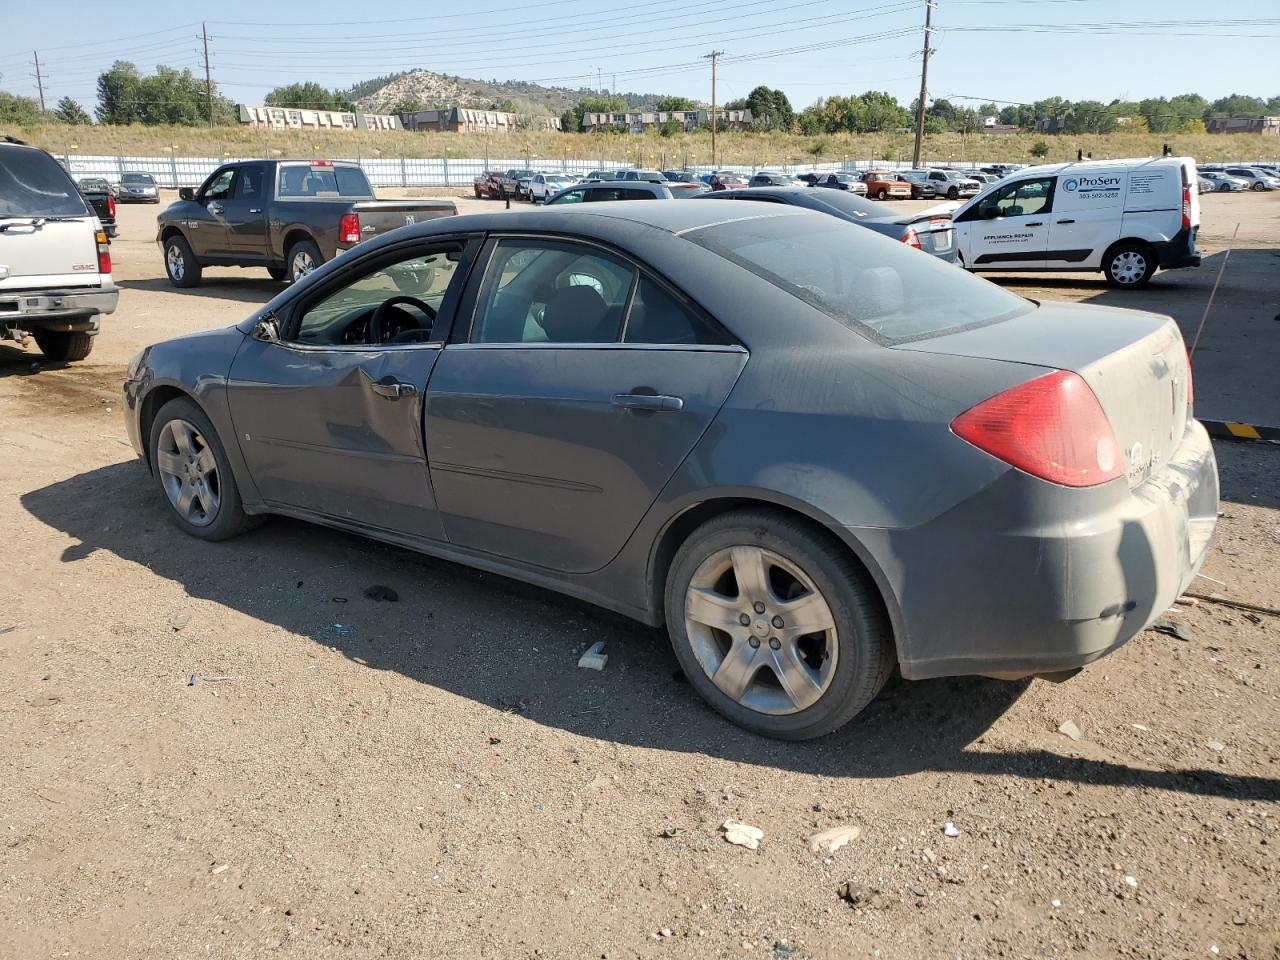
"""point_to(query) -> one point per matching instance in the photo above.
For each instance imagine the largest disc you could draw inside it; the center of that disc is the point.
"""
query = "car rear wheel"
(304, 257)
(1129, 265)
(776, 626)
(1259, 185)
(189, 461)
(180, 264)
(61, 345)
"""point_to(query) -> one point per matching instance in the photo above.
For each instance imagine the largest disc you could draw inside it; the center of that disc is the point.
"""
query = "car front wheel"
(180, 264)
(776, 626)
(190, 463)
(882, 194)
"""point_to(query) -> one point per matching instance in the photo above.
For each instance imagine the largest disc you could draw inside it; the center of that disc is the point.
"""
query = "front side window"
(1022, 199)
(394, 304)
(884, 290)
(545, 291)
(219, 188)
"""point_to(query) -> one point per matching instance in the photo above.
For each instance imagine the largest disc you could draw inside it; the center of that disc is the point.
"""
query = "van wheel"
(776, 626)
(59, 345)
(180, 264)
(1129, 265)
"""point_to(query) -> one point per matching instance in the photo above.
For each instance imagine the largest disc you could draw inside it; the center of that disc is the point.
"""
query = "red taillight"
(104, 252)
(1186, 207)
(1052, 427)
(912, 239)
(111, 207)
(349, 228)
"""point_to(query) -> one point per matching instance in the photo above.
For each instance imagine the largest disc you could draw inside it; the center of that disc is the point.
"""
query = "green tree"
(1237, 105)
(19, 111)
(770, 109)
(674, 104)
(309, 96)
(166, 97)
(596, 104)
(119, 94)
(1040, 149)
(68, 111)
(571, 121)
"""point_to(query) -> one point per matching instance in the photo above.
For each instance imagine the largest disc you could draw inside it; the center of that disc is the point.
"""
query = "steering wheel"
(380, 314)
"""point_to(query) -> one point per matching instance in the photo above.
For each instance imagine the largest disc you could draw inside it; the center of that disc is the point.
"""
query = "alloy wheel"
(174, 262)
(301, 265)
(761, 630)
(188, 472)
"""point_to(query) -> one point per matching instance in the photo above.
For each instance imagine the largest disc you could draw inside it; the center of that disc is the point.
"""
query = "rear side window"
(882, 289)
(32, 184)
(658, 317)
(299, 181)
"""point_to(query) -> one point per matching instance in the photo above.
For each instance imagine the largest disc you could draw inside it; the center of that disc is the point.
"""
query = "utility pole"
(39, 79)
(208, 76)
(924, 83)
(713, 56)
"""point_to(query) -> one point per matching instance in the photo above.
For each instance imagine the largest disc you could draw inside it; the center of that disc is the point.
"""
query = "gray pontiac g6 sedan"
(812, 452)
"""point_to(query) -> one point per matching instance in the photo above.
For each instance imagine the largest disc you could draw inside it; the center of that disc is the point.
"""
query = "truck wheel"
(180, 263)
(476, 188)
(953, 194)
(277, 273)
(58, 345)
(1129, 265)
(776, 626)
(882, 194)
(304, 257)
(188, 460)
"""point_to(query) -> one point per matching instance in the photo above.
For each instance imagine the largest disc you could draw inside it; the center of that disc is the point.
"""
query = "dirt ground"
(435, 777)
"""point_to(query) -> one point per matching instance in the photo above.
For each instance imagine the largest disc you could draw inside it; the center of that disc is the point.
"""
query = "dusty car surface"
(811, 452)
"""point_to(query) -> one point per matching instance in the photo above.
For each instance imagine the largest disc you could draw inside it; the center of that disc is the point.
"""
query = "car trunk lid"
(1134, 362)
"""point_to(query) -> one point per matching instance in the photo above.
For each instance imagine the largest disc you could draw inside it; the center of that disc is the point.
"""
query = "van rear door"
(1087, 215)
(47, 233)
(1153, 208)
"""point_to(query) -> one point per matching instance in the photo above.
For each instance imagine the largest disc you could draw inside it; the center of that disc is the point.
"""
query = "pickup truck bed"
(287, 216)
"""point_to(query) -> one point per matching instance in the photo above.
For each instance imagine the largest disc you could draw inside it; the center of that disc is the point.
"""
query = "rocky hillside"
(440, 90)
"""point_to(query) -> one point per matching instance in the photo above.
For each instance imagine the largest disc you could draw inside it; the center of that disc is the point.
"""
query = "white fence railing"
(175, 171)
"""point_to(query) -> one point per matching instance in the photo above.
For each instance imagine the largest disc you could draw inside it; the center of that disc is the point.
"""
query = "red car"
(488, 184)
(727, 181)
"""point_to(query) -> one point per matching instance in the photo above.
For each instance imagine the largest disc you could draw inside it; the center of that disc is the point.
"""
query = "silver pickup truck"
(289, 216)
(55, 264)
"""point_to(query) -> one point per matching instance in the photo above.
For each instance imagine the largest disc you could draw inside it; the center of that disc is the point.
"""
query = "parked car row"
(1235, 177)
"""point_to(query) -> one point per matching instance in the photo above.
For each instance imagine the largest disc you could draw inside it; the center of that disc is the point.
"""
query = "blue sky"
(1003, 50)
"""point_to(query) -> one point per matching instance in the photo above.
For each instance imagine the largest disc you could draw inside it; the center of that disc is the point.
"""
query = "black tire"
(299, 248)
(476, 188)
(1224, 188)
(1259, 185)
(277, 273)
(1118, 265)
(865, 655)
(186, 270)
(882, 194)
(230, 519)
(60, 345)
(953, 194)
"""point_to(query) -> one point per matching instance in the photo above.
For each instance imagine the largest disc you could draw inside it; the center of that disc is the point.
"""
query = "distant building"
(1052, 125)
(464, 120)
(1266, 125)
(643, 121)
(289, 118)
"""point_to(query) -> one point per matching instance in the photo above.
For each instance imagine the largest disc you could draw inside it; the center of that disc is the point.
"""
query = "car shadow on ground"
(247, 289)
(515, 648)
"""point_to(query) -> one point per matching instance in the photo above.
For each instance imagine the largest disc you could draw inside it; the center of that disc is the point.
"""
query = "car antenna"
(1205, 316)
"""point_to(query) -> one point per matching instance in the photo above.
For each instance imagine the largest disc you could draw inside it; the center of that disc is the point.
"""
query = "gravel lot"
(434, 777)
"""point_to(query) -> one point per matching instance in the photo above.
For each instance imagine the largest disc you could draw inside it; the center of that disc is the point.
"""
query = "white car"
(543, 186)
(1223, 182)
(55, 263)
(1255, 178)
(1125, 218)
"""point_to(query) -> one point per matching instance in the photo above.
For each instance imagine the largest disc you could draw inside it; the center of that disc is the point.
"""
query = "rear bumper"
(73, 309)
(991, 590)
(1180, 251)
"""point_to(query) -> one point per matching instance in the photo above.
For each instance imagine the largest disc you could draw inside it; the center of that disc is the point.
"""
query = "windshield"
(32, 184)
(884, 290)
(140, 178)
(844, 202)
(303, 180)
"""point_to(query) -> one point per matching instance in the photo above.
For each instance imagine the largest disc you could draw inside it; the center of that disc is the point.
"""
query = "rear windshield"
(847, 203)
(299, 180)
(884, 290)
(32, 184)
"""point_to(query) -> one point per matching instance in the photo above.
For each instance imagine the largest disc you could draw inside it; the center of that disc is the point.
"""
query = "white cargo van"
(55, 265)
(1123, 217)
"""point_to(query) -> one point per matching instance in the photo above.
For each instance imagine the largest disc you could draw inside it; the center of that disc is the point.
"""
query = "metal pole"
(39, 79)
(924, 81)
(208, 76)
(713, 56)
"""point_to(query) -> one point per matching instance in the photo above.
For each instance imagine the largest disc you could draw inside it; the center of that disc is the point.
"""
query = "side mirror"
(991, 213)
(266, 330)
(186, 193)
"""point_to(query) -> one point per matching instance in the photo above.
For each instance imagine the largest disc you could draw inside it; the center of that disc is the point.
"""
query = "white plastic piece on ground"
(742, 834)
(949, 830)
(1070, 730)
(833, 839)
(593, 659)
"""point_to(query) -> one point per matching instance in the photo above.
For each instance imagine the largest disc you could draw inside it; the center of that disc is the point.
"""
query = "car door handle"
(255, 209)
(1066, 221)
(1034, 223)
(647, 401)
(392, 389)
